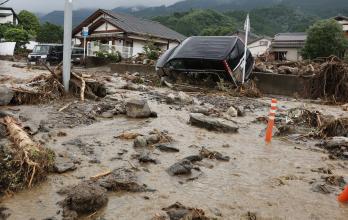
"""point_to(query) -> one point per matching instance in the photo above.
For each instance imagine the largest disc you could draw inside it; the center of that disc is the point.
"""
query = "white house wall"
(138, 46)
(106, 27)
(7, 19)
(293, 54)
(256, 49)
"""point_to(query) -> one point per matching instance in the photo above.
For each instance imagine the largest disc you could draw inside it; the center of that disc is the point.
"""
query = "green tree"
(18, 35)
(29, 22)
(4, 28)
(50, 33)
(325, 38)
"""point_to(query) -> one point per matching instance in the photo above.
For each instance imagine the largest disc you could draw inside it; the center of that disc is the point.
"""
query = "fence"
(94, 47)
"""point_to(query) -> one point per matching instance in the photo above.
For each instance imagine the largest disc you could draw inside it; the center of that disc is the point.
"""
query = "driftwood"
(33, 162)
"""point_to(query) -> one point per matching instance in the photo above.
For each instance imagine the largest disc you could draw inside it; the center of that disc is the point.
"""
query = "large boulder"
(139, 108)
(86, 197)
(6, 95)
(213, 124)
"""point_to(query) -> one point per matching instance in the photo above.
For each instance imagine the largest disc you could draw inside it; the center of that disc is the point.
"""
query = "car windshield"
(41, 49)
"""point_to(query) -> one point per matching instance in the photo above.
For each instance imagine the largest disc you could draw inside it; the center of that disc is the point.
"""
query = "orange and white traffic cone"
(271, 121)
(343, 197)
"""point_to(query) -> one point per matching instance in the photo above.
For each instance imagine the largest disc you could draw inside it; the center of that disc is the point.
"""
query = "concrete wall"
(278, 84)
(132, 68)
(7, 48)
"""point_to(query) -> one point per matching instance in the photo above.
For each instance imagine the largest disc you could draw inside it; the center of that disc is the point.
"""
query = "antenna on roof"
(4, 2)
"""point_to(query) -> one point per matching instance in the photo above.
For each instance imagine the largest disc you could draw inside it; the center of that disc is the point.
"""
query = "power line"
(4, 2)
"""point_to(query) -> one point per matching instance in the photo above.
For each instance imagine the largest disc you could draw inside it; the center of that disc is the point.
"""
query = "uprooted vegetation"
(331, 82)
(45, 88)
(311, 124)
(23, 163)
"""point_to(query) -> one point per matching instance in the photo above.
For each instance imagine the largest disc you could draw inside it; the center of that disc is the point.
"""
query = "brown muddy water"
(273, 181)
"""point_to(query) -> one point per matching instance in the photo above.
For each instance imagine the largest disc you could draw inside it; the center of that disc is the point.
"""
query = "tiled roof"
(141, 26)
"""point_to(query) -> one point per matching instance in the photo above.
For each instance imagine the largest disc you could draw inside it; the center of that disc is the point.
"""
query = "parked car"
(219, 56)
(53, 54)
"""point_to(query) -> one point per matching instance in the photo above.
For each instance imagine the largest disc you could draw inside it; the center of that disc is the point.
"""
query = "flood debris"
(128, 136)
(152, 139)
(44, 88)
(213, 124)
(25, 162)
(335, 180)
(205, 153)
(336, 146)
(139, 108)
(330, 82)
(84, 198)
(178, 211)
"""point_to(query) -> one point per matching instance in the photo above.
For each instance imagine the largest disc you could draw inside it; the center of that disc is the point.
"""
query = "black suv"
(52, 54)
(48, 53)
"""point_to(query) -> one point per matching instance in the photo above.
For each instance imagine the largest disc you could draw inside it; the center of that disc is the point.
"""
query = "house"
(344, 22)
(8, 15)
(257, 45)
(109, 31)
(288, 46)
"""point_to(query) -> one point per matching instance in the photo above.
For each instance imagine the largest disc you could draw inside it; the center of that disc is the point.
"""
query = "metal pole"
(67, 44)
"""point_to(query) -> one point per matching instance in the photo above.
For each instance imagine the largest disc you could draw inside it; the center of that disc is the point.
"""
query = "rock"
(4, 213)
(178, 211)
(345, 107)
(64, 164)
(84, 198)
(137, 108)
(121, 179)
(240, 111)
(205, 153)
(232, 112)
(170, 99)
(194, 158)
(6, 95)
(152, 139)
(180, 168)
(108, 114)
(3, 131)
(166, 148)
(145, 158)
(200, 109)
(184, 98)
(6, 113)
(202, 121)
(140, 142)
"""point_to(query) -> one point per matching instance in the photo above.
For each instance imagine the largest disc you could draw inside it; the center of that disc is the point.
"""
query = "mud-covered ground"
(282, 180)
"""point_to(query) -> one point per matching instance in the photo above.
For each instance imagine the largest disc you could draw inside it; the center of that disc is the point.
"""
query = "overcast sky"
(45, 6)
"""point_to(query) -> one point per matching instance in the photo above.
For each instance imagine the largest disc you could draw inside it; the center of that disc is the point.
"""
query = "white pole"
(67, 44)
(247, 27)
(84, 48)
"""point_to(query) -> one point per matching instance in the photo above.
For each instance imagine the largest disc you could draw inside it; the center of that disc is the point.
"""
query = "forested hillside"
(265, 21)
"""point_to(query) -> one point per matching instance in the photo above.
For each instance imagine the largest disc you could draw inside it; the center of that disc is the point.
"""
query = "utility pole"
(67, 44)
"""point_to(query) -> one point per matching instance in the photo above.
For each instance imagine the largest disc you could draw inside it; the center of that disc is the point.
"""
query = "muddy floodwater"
(272, 181)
